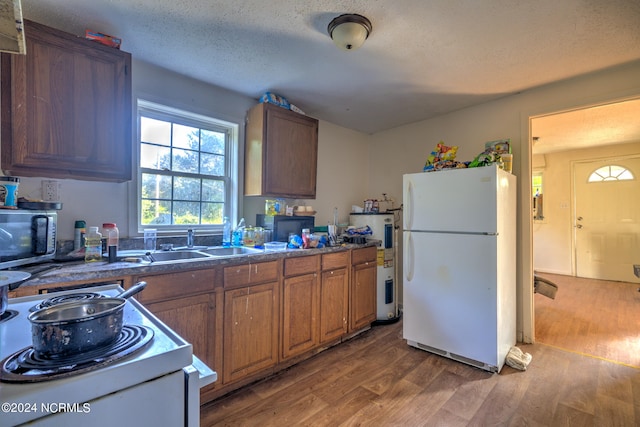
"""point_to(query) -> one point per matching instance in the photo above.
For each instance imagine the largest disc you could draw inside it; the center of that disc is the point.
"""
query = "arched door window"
(610, 173)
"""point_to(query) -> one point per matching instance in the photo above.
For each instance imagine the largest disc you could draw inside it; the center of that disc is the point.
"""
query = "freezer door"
(450, 294)
(456, 200)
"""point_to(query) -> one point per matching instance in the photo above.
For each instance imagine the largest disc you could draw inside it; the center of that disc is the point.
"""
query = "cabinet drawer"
(360, 256)
(336, 260)
(176, 285)
(247, 274)
(302, 265)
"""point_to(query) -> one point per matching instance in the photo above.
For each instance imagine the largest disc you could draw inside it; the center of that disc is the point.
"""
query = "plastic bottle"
(238, 234)
(111, 235)
(306, 238)
(93, 245)
(80, 229)
(226, 232)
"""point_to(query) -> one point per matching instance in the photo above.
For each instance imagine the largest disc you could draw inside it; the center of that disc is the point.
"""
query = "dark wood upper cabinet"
(66, 108)
(281, 153)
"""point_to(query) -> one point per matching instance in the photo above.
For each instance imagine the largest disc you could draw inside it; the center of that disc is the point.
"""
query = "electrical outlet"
(51, 190)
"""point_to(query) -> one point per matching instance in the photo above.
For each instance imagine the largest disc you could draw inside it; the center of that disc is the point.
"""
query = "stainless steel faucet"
(189, 238)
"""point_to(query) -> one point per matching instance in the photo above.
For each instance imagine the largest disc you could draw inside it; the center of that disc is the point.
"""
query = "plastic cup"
(507, 161)
(150, 237)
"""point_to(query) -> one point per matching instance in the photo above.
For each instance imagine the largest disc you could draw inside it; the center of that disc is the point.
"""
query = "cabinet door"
(363, 295)
(281, 153)
(67, 108)
(299, 314)
(193, 318)
(334, 298)
(250, 341)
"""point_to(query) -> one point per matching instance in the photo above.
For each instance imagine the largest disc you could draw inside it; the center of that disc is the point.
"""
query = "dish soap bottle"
(93, 245)
(238, 234)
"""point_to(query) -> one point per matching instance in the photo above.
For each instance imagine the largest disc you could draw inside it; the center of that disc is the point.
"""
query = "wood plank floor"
(594, 317)
(376, 379)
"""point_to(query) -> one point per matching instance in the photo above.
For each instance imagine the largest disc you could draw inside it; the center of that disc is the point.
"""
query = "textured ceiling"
(422, 59)
(609, 124)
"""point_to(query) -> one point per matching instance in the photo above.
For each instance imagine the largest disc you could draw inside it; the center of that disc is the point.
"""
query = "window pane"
(212, 164)
(625, 175)
(186, 188)
(155, 131)
(155, 157)
(212, 191)
(212, 213)
(156, 186)
(186, 212)
(186, 137)
(212, 142)
(185, 161)
(156, 212)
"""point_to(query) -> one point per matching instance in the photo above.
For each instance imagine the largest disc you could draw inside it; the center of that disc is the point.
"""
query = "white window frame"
(159, 111)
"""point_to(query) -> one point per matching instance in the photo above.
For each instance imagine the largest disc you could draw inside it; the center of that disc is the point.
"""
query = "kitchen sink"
(184, 254)
(222, 251)
(176, 256)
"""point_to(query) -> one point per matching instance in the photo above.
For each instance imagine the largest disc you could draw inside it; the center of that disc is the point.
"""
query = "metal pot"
(11, 280)
(75, 327)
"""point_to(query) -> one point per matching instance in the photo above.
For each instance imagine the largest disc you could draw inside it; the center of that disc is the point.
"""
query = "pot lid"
(11, 277)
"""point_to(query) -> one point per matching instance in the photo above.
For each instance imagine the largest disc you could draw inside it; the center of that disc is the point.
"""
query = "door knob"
(579, 226)
(579, 218)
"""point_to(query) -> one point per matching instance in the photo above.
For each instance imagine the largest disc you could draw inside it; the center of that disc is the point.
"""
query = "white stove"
(158, 384)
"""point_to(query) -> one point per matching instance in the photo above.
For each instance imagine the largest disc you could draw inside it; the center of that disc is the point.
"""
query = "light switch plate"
(51, 190)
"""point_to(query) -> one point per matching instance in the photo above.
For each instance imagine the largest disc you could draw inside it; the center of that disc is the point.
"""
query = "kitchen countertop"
(75, 271)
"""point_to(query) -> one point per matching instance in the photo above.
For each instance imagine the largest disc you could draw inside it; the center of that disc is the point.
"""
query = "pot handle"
(133, 290)
(35, 274)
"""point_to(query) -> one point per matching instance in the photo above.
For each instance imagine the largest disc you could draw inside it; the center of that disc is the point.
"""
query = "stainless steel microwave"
(26, 237)
(283, 225)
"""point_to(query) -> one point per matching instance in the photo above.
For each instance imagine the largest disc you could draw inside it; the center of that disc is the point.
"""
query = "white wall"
(553, 236)
(404, 149)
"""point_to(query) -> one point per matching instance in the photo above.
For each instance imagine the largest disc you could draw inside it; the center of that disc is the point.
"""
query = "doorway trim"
(525, 246)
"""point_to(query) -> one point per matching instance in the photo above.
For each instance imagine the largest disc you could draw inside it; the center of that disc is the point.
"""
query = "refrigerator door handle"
(409, 207)
(408, 258)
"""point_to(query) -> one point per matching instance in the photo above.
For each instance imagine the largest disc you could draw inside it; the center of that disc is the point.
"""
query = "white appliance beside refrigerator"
(382, 226)
(459, 270)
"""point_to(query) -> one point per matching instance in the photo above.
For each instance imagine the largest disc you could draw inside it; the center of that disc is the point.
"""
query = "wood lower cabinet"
(251, 319)
(66, 108)
(191, 318)
(300, 305)
(186, 302)
(334, 296)
(363, 288)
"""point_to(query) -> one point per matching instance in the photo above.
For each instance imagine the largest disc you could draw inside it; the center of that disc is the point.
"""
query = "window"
(536, 184)
(187, 174)
(536, 191)
(610, 173)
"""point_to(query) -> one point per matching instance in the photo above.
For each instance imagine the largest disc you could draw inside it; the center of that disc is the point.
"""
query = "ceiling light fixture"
(349, 31)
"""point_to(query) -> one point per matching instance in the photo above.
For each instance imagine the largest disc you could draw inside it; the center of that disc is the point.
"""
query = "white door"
(607, 219)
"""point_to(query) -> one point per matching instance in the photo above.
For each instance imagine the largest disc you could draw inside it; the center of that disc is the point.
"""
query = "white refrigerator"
(459, 264)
